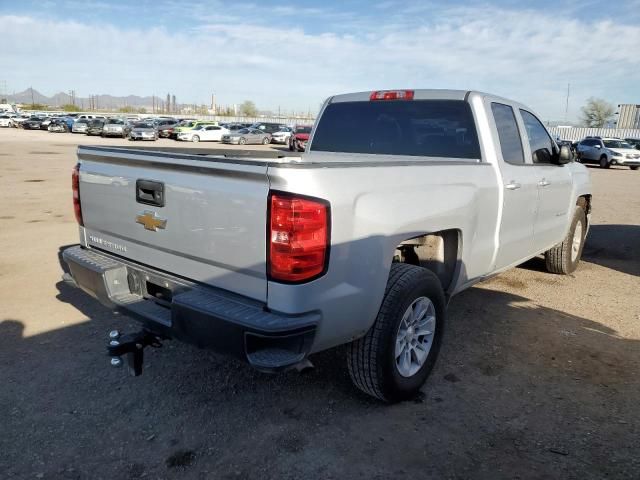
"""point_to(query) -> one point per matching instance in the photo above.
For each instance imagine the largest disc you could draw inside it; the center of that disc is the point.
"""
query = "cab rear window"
(433, 128)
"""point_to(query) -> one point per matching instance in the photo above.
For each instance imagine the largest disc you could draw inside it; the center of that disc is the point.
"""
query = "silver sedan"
(246, 136)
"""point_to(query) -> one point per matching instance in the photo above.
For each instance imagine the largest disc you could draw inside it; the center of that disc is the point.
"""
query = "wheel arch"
(439, 251)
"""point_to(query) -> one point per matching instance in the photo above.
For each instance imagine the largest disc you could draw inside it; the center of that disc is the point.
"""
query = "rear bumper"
(140, 137)
(199, 315)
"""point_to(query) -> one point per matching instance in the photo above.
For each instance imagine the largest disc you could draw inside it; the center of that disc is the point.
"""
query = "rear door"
(199, 218)
(586, 149)
(554, 185)
(519, 190)
(255, 136)
(214, 133)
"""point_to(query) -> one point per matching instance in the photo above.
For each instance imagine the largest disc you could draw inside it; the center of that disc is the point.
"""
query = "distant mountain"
(101, 101)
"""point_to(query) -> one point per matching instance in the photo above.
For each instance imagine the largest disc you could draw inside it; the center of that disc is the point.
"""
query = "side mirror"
(565, 155)
(598, 146)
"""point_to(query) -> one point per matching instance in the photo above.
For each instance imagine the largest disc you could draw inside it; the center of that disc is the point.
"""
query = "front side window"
(508, 133)
(428, 128)
(539, 140)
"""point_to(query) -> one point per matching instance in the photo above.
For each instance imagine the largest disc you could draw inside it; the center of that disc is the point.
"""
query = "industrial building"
(628, 116)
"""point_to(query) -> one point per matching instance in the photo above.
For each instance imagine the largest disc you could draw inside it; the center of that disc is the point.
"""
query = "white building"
(628, 116)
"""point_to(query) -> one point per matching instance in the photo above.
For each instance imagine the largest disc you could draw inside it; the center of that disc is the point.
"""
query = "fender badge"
(150, 221)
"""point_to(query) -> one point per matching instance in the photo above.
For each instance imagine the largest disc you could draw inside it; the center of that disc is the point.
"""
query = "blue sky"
(292, 55)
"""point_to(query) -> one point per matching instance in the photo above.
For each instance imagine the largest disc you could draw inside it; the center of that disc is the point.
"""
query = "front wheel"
(195, 139)
(604, 163)
(266, 141)
(564, 257)
(242, 141)
(393, 360)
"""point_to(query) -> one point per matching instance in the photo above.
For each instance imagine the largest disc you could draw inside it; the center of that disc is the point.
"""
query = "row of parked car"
(240, 133)
(609, 151)
(187, 130)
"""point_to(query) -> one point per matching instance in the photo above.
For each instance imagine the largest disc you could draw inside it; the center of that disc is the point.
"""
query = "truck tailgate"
(207, 225)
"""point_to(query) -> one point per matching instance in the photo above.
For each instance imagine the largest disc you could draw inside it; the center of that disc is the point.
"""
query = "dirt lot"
(539, 376)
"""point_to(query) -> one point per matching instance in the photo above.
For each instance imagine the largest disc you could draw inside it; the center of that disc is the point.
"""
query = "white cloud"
(527, 55)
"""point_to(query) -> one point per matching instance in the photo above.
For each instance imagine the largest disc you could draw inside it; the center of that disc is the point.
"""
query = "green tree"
(69, 107)
(142, 110)
(596, 113)
(126, 109)
(38, 106)
(248, 109)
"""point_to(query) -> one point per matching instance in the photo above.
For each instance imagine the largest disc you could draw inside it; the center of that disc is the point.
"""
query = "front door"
(553, 183)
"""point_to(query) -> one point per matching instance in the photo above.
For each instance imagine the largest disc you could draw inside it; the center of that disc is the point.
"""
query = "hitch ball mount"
(132, 345)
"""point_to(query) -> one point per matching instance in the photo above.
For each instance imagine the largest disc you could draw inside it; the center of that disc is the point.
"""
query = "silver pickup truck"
(402, 199)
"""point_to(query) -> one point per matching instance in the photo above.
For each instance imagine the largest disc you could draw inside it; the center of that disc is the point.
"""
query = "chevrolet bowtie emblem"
(150, 221)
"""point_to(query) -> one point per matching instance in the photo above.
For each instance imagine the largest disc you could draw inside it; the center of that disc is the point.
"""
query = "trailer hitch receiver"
(132, 345)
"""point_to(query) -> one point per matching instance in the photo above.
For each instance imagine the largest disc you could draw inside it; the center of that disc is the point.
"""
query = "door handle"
(544, 182)
(512, 185)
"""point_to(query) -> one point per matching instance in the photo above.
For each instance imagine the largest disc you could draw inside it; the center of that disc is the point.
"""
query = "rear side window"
(539, 140)
(508, 133)
(434, 128)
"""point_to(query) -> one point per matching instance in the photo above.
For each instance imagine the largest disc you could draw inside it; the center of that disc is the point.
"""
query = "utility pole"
(566, 107)
(32, 102)
(153, 103)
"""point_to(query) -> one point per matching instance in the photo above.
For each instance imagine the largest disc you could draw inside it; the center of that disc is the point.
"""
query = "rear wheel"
(395, 357)
(635, 167)
(564, 257)
(604, 163)
(195, 138)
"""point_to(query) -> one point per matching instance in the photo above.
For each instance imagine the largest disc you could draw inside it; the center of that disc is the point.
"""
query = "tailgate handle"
(150, 192)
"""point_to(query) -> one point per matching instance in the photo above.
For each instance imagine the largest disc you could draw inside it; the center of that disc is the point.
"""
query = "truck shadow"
(612, 246)
(518, 387)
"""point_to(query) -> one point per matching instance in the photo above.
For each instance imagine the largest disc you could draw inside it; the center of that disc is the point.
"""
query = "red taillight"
(75, 186)
(392, 95)
(298, 238)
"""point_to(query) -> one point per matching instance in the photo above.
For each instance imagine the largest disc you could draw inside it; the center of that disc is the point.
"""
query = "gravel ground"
(538, 376)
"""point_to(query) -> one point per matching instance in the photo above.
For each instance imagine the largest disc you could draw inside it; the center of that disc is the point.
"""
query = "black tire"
(558, 259)
(371, 359)
(635, 167)
(291, 146)
(604, 163)
(266, 141)
(195, 138)
(242, 141)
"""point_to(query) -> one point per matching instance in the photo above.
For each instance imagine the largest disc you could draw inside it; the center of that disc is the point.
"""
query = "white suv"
(608, 151)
